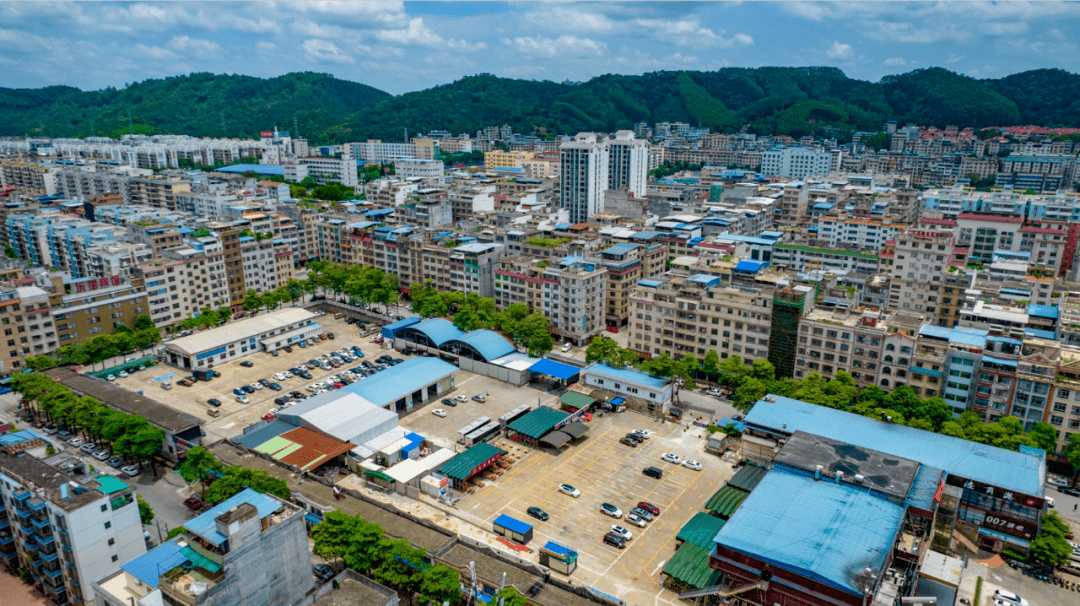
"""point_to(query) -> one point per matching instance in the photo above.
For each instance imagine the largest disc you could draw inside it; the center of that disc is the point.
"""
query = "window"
(114, 558)
(108, 525)
(105, 508)
(112, 542)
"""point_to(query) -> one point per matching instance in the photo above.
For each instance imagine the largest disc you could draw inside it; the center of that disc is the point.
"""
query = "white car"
(622, 532)
(570, 490)
(643, 433)
(566, 347)
(242, 399)
(287, 374)
(671, 458)
(438, 412)
(110, 378)
(257, 386)
(1010, 598)
(610, 510)
(280, 376)
(123, 374)
(462, 398)
(636, 520)
(692, 465)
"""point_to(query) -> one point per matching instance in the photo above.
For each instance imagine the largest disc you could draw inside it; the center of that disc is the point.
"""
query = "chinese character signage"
(1025, 530)
(96, 283)
(993, 491)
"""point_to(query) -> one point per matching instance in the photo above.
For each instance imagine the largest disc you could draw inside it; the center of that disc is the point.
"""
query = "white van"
(166, 386)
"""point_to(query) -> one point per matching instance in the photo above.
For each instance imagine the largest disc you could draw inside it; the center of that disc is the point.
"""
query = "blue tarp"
(555, 369)
(751, 266)
(513, 525)
(1042, 311)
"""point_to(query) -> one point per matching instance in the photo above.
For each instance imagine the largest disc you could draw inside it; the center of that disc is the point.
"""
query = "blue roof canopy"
(751, 266)
(161, 559)
(512, 524)
(437, 330)
(399, 381)
(205, 525)
(1042, 311)
(628, 375)
(555, 369)
(487, 343)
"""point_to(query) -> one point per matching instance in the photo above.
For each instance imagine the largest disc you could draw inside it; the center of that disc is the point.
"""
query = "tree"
(686, 369)
(711, 362)
(1050, 545)
(509, 596)
(534, 333)
(763, 370)
(440, 583)
(1044, 436)
(426, 300)
(333, 536)
(198, 465)
(235, 479)
(42, 362)
(146, 514)
(143, 443)
(143, 322)
(175, 532)
(252, 301)
(1071, 452)
(399, 566)
(364, 548)
(732, 371)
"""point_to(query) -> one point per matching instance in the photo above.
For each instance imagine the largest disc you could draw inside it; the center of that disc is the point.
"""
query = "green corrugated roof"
(578, 400)
(461, 466)
(701, 530)
(538, 422)
(375, 473)
(827, 251)
(726, 501)
(109, 484)
(200, 560)
(690, 564)
(747, 477)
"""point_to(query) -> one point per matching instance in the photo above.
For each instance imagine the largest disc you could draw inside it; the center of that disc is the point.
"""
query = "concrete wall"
(274, 570)
(506, 375)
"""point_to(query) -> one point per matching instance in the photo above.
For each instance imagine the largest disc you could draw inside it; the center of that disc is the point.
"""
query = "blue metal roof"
(627, 374)
(439, 330)
(555, 369)
(205, 526)
(399, 381)
(705, 279)
(382, 212)
(1041, 334)
(1042, 311)
(512, 524)
(148, 566)
(821, 530)
(751, 266)
(488, 343)
(262, 169)
(621, 248)
(973, 337)
(823, 206)
(391, 329)
(924, 487)
(649, 283)
(996, 466)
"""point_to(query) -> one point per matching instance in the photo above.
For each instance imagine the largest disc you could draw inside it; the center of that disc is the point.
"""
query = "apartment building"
(472, 268)
(38, 318)
(116, 259)
(267, 263)
(469, 201)
(184, 281)
(831, 340)
(326, 170)
(229, 236)
(624, 270)
(690, 315)
(1048, 387)
(800, 257)
(570, 292)
(627, 165)
(159, 192)
(15, 340)
(583, 169)
(864, 234)
(415, 168)
(374, 150)
(66, 533)
(506, 159)
(251, 549)
(161, 151)
(919, 265)
(797, 162)
(96, 307)
(85, 180)
(389, 193)
(792, 201)
(31, 177)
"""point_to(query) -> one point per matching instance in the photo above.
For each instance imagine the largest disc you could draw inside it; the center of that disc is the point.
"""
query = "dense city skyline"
(402, 47)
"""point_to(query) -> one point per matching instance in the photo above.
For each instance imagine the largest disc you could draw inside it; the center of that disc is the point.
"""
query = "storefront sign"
(994, 491)
(1025, 530)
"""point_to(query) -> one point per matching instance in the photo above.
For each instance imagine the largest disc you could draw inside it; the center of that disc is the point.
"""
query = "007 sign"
(1018, 529)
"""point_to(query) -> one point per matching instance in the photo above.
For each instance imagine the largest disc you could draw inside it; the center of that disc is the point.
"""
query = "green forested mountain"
(197, 104)
(781, 100)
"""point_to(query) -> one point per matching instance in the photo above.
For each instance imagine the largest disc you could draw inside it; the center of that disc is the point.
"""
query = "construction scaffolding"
(789, 304)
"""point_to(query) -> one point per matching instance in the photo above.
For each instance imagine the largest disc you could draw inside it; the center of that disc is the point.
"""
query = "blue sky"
(400, 47)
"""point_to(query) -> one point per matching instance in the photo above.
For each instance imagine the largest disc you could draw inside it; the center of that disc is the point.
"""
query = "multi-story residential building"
(791, 203)
(865, 234)
(15, 341)
(326, 170)
(116, 259)
(415, 168)
(624, 270)
(1048, 387)
(506, 159)
(572, 294)
(467, 202)
(229, 236)
(691, 315)
(31, 177)
(583, 177)
(38, 318)
(250, 549)
(52, 239)
(64, 532)
(161, 151)
(797, 162)
(921, 258)
(389, 193)
(472, 268)
(375, 150)
(262, 260)
(628, 160)
(831, 340)
(809, 258)
(95, 306)
(185, 281)
(159, 192)
(85, 180)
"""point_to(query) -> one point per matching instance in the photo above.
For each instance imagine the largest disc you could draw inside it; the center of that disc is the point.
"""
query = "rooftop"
(32, 472)
(537, 422)
(399, 381)
(340, 414)
(824, 531)
(461, 467)
(889, 475)
(237, 331)
(998, 467)
(354, 589)
(629, 375)
(205, 524)
(110, 394)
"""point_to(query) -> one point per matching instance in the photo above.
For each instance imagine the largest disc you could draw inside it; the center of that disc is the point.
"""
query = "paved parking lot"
(606, 471)
(234, 415)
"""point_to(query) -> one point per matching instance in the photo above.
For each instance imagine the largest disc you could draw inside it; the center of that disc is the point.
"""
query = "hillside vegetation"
(792, 101)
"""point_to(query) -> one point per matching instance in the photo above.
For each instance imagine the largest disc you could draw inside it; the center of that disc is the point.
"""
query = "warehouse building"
(267, 332)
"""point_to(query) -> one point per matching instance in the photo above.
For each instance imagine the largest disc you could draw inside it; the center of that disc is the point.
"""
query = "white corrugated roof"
(347, 417)
(237, 331)
(378, 443)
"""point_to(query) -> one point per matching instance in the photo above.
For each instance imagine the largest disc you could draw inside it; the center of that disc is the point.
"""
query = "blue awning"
(555, 369)
(512, 524)
(312, 519)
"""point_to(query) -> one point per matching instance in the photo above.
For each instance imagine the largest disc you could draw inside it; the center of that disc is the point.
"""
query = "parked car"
(130, 470)
(610, 510)
(115, 462)
(243, 399)
(183, 382)
(612, 329)
(615, 540)
(247, 364)
(75, 441)
(671, 458)
(101, 455)
(268, 416)
(566, 347)
(302, 345)
(636, 520)
(1010, 598)
(274, 386)
(330, 336)
(462, 398)
(692, 465)
(629, 442)
(438, 412)
(256, 386)
(216, 403)
(88, 447)
(322, 572)
(570, 490)
(479, 398)
(653, 472)
(110, 378)
(248, 389)
(644, 433)
(641, 513)
(537, 513)
(622, 532)
(649, 507)
(1071, 491)
(193, 503)
(51, 429)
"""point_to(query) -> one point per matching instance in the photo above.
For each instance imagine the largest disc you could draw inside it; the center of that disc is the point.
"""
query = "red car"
(193, 503)
(268, 416)
(649, 507)
(378, 341)
(612, 329)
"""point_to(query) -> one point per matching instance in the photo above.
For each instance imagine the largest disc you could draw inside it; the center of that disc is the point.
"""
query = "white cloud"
(955, 58)
(538, 47)
(324, 51)
(679, 58)
(154, 52)
(840, 51)
(200, 49)
(895, 62)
